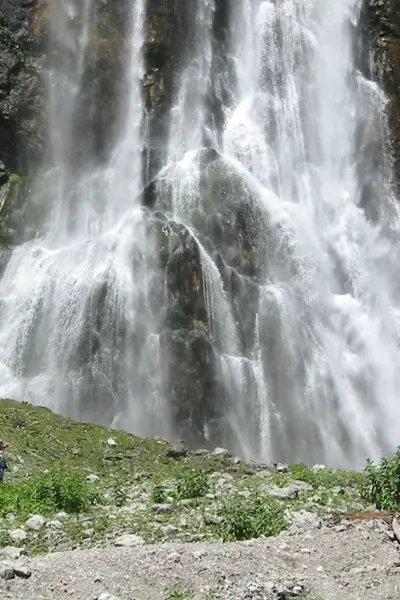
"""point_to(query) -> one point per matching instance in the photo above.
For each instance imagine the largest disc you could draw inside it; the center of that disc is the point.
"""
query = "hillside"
(109, 496)
(112, 483)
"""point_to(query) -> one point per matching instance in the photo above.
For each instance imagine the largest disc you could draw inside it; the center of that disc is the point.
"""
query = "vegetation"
(193, 484)
(248, 518)
(51, 493)
(107, 483)
(381, 484)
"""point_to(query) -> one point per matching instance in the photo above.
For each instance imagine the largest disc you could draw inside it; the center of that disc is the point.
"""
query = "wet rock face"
(383, 28)
(21, 88)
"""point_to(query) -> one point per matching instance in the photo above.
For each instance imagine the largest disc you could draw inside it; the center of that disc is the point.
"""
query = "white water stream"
(316, 376)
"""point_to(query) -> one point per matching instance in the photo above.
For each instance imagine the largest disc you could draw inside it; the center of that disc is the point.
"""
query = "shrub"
(158, 494)
(67, 491)
(381, 484)
(326, 478)
(119, 496)
(247, 518)
(193, 484)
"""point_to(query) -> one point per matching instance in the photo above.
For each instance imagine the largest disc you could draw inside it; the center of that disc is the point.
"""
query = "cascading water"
(267, 256)
(78, 314)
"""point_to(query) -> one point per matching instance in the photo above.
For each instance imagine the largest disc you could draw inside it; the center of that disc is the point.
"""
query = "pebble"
(111, 442)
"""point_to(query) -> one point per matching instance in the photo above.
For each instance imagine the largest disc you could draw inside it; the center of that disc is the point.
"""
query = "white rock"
(220, 452)
(10, 517)
(18, 535)
(36, 522)
(128, 539)
(319, 468)
(62, 516)
(282, 468)
(55, 525)
(11, 552)
(106, 596)
(111, 442)
(92, 478)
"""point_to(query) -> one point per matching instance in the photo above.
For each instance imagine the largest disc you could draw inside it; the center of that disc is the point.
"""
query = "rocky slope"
(357, 563)
(82, 506)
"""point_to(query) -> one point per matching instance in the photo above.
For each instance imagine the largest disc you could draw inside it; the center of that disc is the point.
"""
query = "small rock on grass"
(128, 540)
(18, 535)
(221, 453)
(36, 522)
(177, 451)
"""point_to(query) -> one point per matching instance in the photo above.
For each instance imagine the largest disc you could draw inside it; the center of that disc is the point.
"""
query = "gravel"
(359, 562)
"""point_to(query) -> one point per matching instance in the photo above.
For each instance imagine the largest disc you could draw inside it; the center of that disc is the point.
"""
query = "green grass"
(50, 457)
(179, 595)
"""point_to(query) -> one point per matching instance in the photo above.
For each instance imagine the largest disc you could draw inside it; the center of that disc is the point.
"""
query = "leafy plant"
(381, 484)
(120, 496)
(248, 518)
(193, 484)
(326, 478)
(67, 492)
(158, 495)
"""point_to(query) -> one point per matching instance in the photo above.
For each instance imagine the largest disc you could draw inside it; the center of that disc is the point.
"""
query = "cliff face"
(23, 36)
(383, 29)
(193, 386)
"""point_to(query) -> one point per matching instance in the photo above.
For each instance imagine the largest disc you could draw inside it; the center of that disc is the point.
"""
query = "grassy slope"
(133, 475)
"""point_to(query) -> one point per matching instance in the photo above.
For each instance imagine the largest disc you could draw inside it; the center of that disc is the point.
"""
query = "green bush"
(381, 484)
(248, 518)
(193, 484)
(67, 492)
(326, 478)
(158, 495)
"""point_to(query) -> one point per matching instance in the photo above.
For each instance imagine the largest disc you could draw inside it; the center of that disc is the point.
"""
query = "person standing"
(3, 465)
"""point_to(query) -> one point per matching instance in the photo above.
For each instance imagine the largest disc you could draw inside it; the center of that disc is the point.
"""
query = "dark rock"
(382, 25)
(177, 451)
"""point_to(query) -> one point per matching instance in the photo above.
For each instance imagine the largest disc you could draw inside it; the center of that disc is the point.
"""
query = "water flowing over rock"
(201, 238)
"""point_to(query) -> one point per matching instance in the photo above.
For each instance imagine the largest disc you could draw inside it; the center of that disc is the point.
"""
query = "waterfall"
(254, 301)
(78, 313)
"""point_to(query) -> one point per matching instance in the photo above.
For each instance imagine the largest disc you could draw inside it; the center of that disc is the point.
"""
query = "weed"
(179, 595)
(193, 484)
(249, 518)
(57, 492)
(381, 484)
(158, 495)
